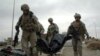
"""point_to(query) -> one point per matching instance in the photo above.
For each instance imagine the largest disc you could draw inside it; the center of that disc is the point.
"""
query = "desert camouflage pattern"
(77, 43)
(29, 26)
(51, 31)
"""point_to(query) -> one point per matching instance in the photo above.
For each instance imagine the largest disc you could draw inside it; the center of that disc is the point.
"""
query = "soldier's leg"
(33, 39)
(80, 48)
(74, 43)
(38, 50)
(24, 42)
(50, 38)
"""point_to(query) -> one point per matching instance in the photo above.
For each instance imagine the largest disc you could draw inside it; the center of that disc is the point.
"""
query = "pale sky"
(62, 11)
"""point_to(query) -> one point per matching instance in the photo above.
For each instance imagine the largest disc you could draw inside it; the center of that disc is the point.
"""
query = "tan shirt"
(28, 23)
(80, 27)
(52, 28)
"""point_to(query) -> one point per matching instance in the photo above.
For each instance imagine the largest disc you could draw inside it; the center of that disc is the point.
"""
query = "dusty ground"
(68, 51)
(86, 52)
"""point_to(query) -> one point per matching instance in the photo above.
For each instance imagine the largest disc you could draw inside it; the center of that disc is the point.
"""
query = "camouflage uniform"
(40, 30)
(77, 43)
(40, 35)
(29, 27)
(51, 31)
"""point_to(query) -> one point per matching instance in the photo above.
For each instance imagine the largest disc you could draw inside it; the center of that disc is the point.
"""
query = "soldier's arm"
(68, 31)
(36, 22)
(42, 28)
(48, 31)
(18, 23)
(86, 31)
(35, 19)
(17, 32)
(56, 28)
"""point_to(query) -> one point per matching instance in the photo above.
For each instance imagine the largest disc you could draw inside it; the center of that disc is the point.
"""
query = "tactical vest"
(27, 23)
(52, 28)
(81, 28)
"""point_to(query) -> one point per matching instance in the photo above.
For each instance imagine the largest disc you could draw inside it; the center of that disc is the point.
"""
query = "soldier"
(52, 29)
(40, 35)
(40, 30)
(79, 34)
(28, 23)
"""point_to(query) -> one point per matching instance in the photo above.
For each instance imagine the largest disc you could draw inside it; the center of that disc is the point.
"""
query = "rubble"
(8, 51)
(93, 44)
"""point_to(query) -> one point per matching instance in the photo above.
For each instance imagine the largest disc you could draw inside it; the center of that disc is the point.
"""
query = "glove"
(88, 37)
(38, 33)
(17, 28)
(55, 32)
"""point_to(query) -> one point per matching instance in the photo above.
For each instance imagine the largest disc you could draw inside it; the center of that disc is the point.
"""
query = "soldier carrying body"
(78, 34)
(52, 29)
(40, 34)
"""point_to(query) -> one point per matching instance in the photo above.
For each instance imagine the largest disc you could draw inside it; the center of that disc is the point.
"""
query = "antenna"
(95, 29)
(13, 19)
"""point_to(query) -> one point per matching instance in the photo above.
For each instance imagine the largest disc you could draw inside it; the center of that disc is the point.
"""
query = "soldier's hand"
(17, 28)
(88, 37)
(55, 32)
(38, 33)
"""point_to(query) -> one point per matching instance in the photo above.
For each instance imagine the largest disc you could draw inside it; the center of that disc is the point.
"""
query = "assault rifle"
(16, 37)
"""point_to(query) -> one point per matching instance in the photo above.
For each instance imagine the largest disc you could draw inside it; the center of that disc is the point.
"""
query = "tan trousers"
(50, 38)
(77, 47)
(29, 37)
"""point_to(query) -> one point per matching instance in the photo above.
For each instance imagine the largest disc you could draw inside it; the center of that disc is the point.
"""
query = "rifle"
(16, 37)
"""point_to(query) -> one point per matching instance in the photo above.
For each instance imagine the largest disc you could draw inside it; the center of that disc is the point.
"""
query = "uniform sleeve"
(18, 23)
(85, 30)
(41, 28)
(48, 31)
(38, 25)
(35, 19)
(56, 28)
(69, 31)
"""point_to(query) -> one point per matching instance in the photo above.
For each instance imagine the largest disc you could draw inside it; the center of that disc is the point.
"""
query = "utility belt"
(29, 30)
